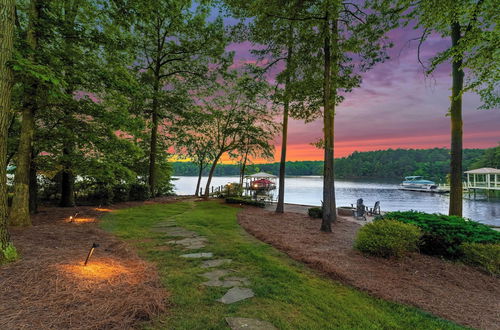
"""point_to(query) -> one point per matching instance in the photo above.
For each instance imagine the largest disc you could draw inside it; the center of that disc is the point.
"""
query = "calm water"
(308, 190)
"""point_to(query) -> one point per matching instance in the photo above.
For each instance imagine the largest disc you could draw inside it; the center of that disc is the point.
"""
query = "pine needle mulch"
(50, 288)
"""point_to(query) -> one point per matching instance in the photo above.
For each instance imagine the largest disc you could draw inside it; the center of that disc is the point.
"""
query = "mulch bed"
(450, 290)
(49, 288)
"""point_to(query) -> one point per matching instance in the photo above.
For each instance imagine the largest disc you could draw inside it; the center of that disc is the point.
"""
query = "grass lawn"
(287, 293)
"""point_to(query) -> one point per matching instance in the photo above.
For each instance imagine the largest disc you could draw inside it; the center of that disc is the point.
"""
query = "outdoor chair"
(360, 210)
(375, 210)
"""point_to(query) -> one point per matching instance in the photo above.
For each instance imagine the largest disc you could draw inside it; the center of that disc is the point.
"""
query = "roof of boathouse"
(261, 175)
(484, 170)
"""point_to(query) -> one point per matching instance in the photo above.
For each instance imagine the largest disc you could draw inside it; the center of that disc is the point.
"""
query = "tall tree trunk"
(456, 189)
(200, 172)
(210, 175)
(154, 136)
(243, 168)
(329, 207)
(33, 185)
(19, 212)
(7, 18)
(68, 178)
(280, 207)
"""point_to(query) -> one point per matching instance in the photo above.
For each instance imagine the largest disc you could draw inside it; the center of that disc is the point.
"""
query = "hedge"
(483, 256)
(387, 238)
(245, 201)
(315, 212)
(443, 235)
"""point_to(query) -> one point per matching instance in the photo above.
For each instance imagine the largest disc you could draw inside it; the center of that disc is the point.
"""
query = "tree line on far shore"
(392, 163)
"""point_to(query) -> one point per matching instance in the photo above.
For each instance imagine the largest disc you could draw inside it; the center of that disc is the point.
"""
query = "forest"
(395, 164)
(96, 96)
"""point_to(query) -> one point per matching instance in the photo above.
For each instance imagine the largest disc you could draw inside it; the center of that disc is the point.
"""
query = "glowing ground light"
(102, 209)
(97, 270)
(83, 220)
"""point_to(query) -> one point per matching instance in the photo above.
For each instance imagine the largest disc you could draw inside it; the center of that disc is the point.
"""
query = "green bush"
(102, 195)
(387, 238)
(9, 254)
(443, 235)
(121, 193)
(139, 192)
(315, 212)
(245, 201)
(484, 256)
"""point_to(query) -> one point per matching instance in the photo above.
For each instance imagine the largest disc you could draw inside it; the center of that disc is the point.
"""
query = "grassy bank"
(288, 294)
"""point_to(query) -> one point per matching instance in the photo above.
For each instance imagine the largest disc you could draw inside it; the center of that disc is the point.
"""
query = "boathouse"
(483, 178)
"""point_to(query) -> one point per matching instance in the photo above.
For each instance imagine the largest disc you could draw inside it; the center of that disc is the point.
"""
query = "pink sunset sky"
(395, 107)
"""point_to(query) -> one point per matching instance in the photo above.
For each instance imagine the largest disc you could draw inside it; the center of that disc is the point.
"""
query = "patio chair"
(375, 210)
(360, 210)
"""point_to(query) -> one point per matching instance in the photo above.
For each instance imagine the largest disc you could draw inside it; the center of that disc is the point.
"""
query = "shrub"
(443, 235)
(121, 193)
(245, 201)
(387, 238)
(102, 195)
(315, 212)
(9, 254)
(484, 256)
(139, 192)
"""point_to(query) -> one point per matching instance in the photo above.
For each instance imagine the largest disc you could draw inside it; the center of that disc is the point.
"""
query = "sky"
(396, 106)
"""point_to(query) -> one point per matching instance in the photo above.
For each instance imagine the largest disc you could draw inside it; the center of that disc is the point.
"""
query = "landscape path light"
(92, 248)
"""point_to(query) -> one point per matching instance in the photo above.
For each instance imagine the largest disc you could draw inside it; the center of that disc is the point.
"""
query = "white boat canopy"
(261, 175)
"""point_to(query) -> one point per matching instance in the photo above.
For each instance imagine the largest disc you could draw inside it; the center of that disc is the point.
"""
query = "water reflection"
(308, 190)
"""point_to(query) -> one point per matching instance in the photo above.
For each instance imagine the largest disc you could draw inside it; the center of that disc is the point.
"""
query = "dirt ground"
(450, 290)
(49, 288)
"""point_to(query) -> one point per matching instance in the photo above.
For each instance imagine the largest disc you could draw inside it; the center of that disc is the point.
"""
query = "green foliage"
(484, 256)
(387, 238)
(121, 193)
(443, 235)
(9, 254)
(433, 164)
(139, 192)
(430, 163)
(490, 158)
(315, 212)
(245, 201)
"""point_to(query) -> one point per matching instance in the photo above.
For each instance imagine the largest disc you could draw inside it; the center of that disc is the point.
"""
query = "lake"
(307, 190)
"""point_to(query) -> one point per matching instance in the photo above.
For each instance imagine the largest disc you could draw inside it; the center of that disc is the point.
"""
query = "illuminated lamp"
(92, 248)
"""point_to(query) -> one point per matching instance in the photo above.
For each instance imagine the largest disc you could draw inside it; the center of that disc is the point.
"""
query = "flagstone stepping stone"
(236, 323)
(198, 255)
(178, 232)
(216, 274)
(191, 243)
(227, 283)
(236, 294)
(215, 263)
(242, 280)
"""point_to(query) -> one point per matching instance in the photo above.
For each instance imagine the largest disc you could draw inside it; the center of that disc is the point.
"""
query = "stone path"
(215, 263)
(198, 255)
(216, 277)
(236, 294)
(249, 324)
(191, 243)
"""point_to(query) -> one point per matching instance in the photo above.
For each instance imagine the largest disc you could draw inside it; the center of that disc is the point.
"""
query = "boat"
(417, 183)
